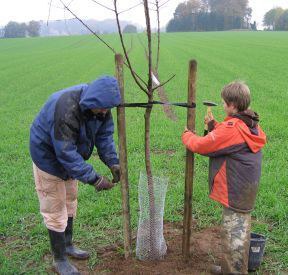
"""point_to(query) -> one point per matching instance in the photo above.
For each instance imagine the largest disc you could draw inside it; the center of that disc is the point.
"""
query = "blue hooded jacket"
(65, 131)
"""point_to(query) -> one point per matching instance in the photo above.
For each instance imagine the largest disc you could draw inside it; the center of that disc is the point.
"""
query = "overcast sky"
(26, 10)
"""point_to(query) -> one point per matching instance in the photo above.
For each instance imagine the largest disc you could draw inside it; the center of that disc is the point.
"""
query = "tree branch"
(130, 49)
(135, 6)
(143, 46)
(84, 24)
(70, 3)
(160, 6)
(164, 83)
(65, 20)
(66, 27)
(49, 11)
(102, 40)
(125, 51)
(113, 10)
(131, 46)
(158, 35)
(148, 25)
(98, 3)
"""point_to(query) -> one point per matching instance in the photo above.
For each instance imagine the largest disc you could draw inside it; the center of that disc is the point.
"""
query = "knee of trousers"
(71, 187)
(72, 208)
(56, 221)
(71, 197)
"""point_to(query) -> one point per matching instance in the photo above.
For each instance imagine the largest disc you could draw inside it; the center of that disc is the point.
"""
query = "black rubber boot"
(70, 249)
(60, 262)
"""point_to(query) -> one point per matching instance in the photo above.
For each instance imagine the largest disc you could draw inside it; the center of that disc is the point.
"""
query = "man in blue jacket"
(62, 138)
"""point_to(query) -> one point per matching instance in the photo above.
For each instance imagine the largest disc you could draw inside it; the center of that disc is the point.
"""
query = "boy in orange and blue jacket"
(234, 148)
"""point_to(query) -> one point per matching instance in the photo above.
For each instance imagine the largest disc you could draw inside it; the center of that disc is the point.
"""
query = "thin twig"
(160, 6)
(164, 83)
(102, 40)
(66, 27)
(125, 51)
(98, 3)
(133, 7)
(70, 3)
(131, 47)
(49, 11)
(158, 35)
(148, 25)
(57, 7)
(113, 10)
(84, 24)
(143, 46)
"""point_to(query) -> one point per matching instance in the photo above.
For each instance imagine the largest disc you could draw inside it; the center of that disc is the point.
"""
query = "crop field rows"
(32, 69)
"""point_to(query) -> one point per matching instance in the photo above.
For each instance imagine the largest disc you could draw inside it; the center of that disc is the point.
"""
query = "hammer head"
(209, 103)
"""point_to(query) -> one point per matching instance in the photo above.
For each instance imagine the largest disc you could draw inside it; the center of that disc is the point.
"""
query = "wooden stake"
(123, 159)
(189, 173)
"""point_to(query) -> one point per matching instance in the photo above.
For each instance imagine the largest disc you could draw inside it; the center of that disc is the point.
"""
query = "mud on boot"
(64, 267)
(60, 262)
(71, 250)
(215, 269)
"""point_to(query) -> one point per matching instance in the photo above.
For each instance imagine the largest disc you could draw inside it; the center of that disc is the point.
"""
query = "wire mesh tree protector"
(151, 244)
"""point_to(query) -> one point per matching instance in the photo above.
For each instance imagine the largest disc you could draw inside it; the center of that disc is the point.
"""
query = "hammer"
(209, 105)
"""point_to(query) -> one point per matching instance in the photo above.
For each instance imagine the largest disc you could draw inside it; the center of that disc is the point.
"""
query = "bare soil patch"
(205, 250)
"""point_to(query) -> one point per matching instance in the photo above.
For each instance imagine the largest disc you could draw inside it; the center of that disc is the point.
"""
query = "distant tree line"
(276, 19)
(14, 29)
(130, 29)
(64, 27)
(211, 15)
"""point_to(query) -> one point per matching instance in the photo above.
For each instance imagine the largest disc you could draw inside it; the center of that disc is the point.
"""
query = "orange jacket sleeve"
(224, 136)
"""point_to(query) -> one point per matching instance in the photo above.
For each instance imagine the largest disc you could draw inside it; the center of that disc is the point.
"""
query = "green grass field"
(32, 69)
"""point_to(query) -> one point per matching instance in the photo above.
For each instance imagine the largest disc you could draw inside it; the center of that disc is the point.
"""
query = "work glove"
(103, 184)
(115, 170)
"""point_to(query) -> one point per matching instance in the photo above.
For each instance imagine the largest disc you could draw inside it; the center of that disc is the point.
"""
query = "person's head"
(100, 112)
(100, 96)
(236, 97)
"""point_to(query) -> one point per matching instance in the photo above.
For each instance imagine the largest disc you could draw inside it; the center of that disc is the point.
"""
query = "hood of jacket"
(252, 134)
(102, 93)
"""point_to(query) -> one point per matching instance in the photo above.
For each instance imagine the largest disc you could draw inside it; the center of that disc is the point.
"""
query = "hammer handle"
(209, 111)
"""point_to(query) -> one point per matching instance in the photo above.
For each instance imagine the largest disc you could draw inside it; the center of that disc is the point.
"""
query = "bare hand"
(187, 130)
(208, 118)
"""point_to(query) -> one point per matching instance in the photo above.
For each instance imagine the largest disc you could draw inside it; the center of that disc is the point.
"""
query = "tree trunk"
(154, 253)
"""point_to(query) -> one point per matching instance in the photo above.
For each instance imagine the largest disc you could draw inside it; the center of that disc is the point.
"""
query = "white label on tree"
(155, 80)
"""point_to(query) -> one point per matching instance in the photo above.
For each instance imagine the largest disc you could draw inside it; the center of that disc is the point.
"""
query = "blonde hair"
(238, 94)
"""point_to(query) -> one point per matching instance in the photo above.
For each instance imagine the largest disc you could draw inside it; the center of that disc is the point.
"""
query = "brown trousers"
(57, 198)
(235, 241)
